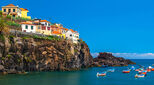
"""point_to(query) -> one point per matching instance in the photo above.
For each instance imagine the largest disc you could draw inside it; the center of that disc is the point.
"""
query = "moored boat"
(148, 70)
(132, 68)
(139, 75)
(111, 70)
(152, 69)
(101, 74)
(137, 70)
(126, 71)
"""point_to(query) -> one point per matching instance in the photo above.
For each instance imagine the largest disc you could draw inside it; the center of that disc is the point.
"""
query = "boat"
(148, 70)
(137, 70)
(132, 68)
(126, 71)
(152, 69)
(139, 76)
(111, 70)
(101, 74)
(144, 72)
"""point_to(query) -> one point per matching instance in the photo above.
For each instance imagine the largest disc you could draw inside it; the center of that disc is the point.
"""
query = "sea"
(82, 77)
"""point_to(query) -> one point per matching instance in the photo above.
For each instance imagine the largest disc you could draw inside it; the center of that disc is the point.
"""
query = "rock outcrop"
(18, 54)
(107, 59)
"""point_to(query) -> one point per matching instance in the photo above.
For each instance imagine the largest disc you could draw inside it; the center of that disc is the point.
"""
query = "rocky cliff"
(108, 59)
(18, 54)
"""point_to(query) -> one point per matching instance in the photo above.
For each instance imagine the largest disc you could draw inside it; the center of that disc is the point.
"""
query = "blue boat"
(111, 70)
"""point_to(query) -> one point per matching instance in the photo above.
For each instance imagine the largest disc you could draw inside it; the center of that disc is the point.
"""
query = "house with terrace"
(11, 10)
(15, 11)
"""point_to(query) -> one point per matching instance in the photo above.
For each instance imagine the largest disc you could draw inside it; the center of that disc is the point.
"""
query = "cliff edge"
(20, 54)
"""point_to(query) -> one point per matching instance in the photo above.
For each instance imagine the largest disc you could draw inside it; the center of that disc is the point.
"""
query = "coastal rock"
(19, 54)
(107, 59)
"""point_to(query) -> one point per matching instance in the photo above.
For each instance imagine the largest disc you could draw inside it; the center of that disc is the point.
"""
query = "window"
(48, 24)
(9, 10)
(14, 10)
(31, 27)
(45, 23)
(14, 15)
(4, 10)
(43, 27)
(48, 28)
(70, 35)
(38, 27)
(26, 27)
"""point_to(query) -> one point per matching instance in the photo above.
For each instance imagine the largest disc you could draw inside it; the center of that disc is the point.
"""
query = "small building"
(59, 30)
(24, 13)
(72, 35)
(12, 10)
(45, 27)
(28, 26)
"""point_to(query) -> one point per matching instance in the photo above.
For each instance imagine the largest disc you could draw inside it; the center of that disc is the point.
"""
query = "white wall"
(29, 28)
(73, 37)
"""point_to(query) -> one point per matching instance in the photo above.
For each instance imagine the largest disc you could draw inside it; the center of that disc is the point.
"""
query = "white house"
(28, 27)
(72, 35)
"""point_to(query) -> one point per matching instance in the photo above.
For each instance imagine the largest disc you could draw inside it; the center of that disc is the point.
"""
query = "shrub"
(12, 23)
(9, 56)
(2, 37)
(0, 13)
(11, 36)
(8, 16)
(25, 37)
(21, 18)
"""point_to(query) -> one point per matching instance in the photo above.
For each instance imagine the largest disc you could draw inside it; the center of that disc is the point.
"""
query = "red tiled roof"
(11, 5)
(22, 9)
(44, 21)
(72, 30)
(26, 23)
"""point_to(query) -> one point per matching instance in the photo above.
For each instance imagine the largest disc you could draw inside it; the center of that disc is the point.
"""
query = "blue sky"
(118, 26)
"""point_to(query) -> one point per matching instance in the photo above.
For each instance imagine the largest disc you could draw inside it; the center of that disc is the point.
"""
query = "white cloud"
(135, 55)
(131, 55)
(94, 54)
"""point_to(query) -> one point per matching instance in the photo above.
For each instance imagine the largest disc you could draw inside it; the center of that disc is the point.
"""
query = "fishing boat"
(126, 71)
(139, 76)
(132, 68)
(111, 70)
(101, 74)
(137, 70)
(148, 70)
(152, 69)
(144, 72)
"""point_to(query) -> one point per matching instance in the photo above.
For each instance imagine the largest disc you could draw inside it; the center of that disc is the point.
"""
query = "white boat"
(101, 74)
(111, 70)
(139, 76)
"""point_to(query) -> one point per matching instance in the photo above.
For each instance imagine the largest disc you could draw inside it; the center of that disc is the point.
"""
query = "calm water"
(84, 77)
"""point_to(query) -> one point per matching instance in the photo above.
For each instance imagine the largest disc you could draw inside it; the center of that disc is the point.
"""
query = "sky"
(124, 27)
